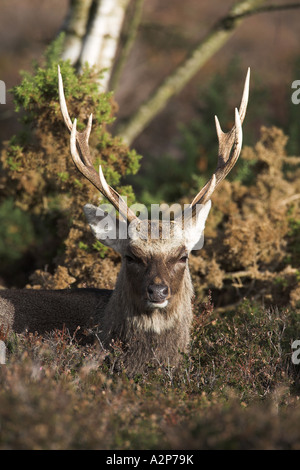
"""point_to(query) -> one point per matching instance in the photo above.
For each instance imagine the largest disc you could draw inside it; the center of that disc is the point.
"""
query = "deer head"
(155, 265)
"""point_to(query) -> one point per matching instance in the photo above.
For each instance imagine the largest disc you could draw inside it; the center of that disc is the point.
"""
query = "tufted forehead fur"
(151, 237)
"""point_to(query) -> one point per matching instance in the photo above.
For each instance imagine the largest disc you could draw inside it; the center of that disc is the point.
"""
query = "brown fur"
(159, 334)
(42, 311)
(125, 316)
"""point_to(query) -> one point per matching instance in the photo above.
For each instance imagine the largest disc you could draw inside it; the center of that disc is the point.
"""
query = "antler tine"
(82, 137)
(79, 145)
(62, 101)
(245, 97)
(227, 157)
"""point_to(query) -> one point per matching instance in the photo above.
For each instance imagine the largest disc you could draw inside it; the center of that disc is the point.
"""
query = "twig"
(290, 199)
(268, 9)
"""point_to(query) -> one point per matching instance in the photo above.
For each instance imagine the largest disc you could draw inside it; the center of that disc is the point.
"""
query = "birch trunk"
(101, 41)
(2, 352)
(75, 29)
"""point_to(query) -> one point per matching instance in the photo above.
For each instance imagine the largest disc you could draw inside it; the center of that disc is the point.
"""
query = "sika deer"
(150, 311)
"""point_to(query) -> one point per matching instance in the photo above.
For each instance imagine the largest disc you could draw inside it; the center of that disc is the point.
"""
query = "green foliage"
(294, 242)
(13, 156)
(16, 233)
(100, 248)
(39, 90)
(37, 169)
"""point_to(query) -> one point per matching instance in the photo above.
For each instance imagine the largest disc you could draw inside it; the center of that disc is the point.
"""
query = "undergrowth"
(236, 389)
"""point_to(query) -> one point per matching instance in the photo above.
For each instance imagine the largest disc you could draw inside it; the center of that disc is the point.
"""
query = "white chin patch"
(157, 305)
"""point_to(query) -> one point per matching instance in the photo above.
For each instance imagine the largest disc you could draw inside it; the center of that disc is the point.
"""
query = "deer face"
(154, 253)
(155, 270)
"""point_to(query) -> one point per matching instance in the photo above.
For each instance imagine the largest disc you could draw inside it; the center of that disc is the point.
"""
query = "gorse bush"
(37, 169)
(252, 232)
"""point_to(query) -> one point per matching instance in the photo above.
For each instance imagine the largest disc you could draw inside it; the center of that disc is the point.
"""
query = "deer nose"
(157, 292)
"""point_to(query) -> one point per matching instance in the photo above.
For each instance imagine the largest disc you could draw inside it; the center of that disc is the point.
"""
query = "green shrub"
(16, 233)
(37, 170)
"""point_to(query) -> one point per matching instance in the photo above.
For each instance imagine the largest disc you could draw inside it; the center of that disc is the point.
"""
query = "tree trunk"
(75, 28)
(101, 41)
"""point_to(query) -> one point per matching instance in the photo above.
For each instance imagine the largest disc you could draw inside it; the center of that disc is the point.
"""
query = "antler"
(79, 144)
(227, 157)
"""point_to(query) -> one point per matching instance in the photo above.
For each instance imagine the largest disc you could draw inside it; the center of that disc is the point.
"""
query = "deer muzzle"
(158, 295)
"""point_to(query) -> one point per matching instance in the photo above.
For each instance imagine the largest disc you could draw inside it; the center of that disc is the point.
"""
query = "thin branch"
(196, 59)
(289, 200)
(269, 9)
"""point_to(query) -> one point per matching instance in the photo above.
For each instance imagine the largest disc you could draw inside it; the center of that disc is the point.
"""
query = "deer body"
(150, 323)
(144, 338)
(145, 333)
(149, 313)
(43, 311)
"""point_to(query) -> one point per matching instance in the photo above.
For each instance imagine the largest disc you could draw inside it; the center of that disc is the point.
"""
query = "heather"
(237, 389)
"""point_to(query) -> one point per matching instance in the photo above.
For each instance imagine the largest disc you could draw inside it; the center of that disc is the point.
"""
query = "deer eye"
(132, 259)
(129, 258)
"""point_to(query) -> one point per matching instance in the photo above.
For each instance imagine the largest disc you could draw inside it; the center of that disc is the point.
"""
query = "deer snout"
(158, 293)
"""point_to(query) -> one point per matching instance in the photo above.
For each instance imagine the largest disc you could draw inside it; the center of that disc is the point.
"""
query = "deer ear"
(194, 229)
(106, 227)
